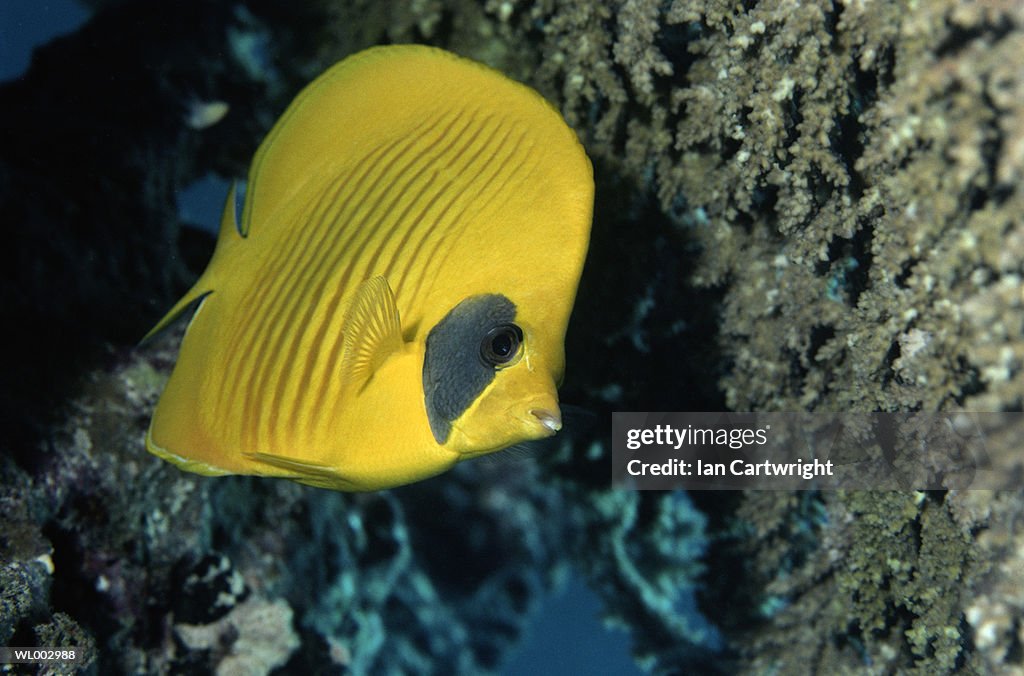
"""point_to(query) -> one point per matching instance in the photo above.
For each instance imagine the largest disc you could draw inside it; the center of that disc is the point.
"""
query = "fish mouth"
(549, 419)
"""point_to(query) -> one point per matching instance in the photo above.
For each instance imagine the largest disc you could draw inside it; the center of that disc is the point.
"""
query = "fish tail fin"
(228, 236)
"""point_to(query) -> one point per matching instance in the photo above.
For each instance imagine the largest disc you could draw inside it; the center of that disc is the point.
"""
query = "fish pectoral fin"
(372, 329)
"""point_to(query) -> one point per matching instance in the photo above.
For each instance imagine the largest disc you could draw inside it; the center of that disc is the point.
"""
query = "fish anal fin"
(186, 464)
(373, 331)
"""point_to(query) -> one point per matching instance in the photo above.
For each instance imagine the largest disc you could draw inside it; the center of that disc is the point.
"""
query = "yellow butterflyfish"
(397, 296)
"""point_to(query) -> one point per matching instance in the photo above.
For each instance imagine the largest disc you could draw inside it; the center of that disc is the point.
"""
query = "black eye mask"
(454, 371)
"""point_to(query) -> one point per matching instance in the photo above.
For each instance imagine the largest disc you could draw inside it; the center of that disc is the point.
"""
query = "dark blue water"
(24, 24)
(568, 638)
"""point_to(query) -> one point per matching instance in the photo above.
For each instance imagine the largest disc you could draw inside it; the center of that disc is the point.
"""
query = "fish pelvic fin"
(228, 236)
(373, 331)
(303, 471)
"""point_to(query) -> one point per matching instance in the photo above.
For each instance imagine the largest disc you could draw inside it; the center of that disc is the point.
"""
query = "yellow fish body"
(396, 298)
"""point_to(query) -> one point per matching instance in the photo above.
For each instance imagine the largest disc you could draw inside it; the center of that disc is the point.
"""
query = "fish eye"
(501, 345)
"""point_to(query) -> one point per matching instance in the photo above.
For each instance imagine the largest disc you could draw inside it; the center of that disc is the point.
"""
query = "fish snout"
(548, 417)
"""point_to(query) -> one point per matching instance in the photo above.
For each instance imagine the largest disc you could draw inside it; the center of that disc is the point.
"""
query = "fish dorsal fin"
(372, 332)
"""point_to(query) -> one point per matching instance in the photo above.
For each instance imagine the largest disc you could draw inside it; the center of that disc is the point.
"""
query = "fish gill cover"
(800, 206)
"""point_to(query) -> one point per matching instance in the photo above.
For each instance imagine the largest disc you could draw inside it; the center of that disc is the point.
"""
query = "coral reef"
(882, 590)
(849, 175)
(801, 206)
(849, 170)
(882, 583)
(254, 638)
